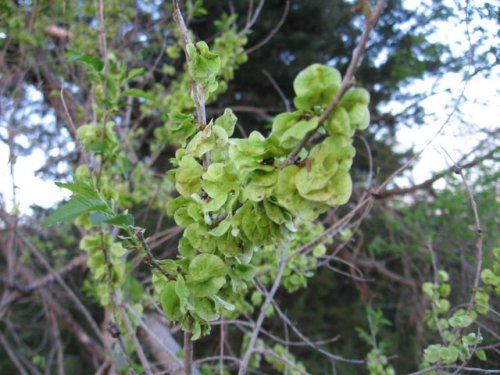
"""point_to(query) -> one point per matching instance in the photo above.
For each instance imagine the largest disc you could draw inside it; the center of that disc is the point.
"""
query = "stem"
(188, 353)
(197, 88)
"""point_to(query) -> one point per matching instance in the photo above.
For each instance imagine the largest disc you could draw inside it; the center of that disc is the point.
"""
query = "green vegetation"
(230, 183)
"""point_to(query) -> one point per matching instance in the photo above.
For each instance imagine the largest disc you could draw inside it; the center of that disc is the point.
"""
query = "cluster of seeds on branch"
(244, 200)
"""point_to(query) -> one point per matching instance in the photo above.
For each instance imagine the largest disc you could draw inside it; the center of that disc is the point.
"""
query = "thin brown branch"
(253, 16)
(77, 262)
(11, 353)
(427, 184)
(154, 263)
(380, 268)
(278, 89)
(274, 30)
(133, 337)
(188, 353)
(263, 312)
(312, 344)
(41, 258)
(347, 82)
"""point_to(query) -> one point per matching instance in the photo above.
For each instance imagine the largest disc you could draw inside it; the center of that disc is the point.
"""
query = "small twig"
(479, 233)
(188, 353)
(263, 312)
(154, 263)
(221, 344)
(347, 82)
(56, 336)
(252, 18)
(102, 36)
(308, 342)
(11, 353)
(57, 277)
(131, 332)
(274, 30)
(283, 359)
(47, 279)
(278, 89)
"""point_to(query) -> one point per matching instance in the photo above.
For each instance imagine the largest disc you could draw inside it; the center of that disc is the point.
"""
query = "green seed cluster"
(244, 200)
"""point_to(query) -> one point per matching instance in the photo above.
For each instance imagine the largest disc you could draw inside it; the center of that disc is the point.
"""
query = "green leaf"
(202, 142)
(188, 176)
(117, 249)
(449, 354)
(461, 319)
(316, 85)
(137, 93)
(98, 217)
(122, 219)
(444, 290)
(226, 305)
(338, 123)
(75, 207)
(94, 63)
(184, 294)
(220, 229)
(136, 72)
(204, 65)
(207, 274)
(443, 276)
(227, 121)
(470, 339)
(170, 302)
(206, 266)
(205, 309)
(443, 305)
(481, 355)
(355, 95)
(488, 277)
(482, 302)
(429, 290)
(80, 188)
(432, 353)
(276, 213)
(296, 133)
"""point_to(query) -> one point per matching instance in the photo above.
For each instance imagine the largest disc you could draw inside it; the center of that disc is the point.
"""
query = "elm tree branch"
(347, 82)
